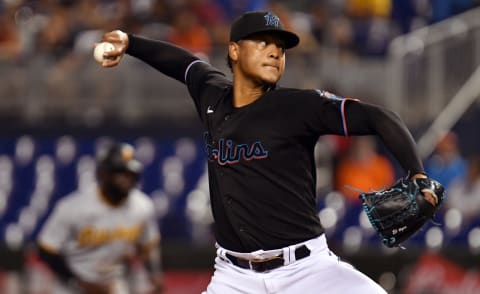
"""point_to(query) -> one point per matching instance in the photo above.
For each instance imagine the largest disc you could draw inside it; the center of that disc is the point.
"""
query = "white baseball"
(100, 50)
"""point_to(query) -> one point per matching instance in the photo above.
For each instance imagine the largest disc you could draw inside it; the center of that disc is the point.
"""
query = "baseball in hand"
(100, 49)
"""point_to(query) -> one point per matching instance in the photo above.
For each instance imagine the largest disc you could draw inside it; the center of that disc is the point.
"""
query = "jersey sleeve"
(346, 116)
(369, 119)
(205, 84)
(169, 59)
(55, 232)
(325, 113)
(204, 81)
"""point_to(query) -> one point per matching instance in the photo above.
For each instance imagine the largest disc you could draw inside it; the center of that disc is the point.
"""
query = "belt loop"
(221, 252)
(292, 258)
(286, 255)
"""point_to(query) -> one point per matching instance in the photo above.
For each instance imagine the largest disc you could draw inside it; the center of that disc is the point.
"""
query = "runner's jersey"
(94, 236)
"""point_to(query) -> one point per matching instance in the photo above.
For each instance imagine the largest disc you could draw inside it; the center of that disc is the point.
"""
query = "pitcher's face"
(260, 57)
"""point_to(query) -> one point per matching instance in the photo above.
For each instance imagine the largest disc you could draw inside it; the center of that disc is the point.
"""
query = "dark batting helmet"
(119, 157)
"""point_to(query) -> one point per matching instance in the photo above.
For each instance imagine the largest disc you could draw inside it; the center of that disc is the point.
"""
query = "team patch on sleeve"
(329, 95)
(342, 101)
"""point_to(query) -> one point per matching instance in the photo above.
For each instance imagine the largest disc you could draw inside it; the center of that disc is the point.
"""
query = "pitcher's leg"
(229, 279)
(322, 273)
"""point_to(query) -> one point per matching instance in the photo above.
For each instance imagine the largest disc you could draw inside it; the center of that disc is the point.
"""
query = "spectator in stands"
(369, 8)
(55, 42)
(298, 22)
(446, 164)
(371, 26)
(59, 31)
(234, 8)
(94, 231)
(208, 12)
(443, 9)
(187, 32)
(320, 15)
(403, 14)
(10, 44)
(464, 192)
(342, 36)
(363, 168)
(211, 15)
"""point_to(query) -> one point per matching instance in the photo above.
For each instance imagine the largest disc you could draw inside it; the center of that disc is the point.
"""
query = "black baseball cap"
(250, 23)
(119, 157)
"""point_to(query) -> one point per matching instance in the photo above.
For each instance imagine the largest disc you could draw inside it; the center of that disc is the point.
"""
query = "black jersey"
(261, 156)
(261, 160)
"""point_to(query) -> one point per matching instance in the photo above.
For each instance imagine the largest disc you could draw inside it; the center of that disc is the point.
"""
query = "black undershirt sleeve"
(167, 58)
(367, 119)
(56, 263)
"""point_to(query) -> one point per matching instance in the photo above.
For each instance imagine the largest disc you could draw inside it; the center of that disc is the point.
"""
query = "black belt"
(269, 263)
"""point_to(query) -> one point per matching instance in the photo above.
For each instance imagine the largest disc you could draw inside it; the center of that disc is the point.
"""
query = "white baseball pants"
(320, 272)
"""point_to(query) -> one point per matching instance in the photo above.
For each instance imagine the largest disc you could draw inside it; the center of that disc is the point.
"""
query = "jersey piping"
(189, 66)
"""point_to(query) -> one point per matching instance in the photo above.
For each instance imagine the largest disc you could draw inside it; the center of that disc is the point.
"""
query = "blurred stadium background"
(57, 106)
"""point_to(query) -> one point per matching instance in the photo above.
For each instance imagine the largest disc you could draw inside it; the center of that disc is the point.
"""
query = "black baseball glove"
(398, 212)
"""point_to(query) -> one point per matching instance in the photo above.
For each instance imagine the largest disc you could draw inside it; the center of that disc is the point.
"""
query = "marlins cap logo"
(272, 20)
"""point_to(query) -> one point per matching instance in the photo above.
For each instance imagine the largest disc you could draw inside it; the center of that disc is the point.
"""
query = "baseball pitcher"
(259, 141)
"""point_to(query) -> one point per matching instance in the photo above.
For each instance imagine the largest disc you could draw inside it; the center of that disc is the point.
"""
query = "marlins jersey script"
(95, 236)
